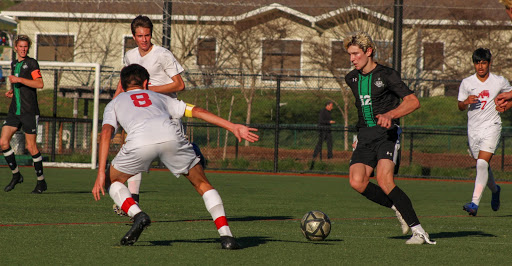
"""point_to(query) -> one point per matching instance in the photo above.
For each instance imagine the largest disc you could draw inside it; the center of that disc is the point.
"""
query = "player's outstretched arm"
(408, 105)
(105, 137)
(240, 131)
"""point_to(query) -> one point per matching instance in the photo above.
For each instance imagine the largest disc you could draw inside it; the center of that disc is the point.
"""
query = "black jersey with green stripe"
(24, 100)
(376, 93)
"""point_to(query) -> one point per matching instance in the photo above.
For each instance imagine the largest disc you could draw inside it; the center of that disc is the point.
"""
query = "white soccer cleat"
(420, 238)
(403, 224)
(118, 210)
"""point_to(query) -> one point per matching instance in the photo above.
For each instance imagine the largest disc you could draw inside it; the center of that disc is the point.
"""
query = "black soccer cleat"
(229, 242)
(141, 222)
(16, 179)
(40, 187)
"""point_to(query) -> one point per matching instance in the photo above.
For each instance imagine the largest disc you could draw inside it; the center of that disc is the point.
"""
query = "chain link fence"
(284, 111)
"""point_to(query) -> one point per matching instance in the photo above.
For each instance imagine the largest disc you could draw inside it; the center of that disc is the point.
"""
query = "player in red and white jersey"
(150, 119)
(164, 78)
(477, 94)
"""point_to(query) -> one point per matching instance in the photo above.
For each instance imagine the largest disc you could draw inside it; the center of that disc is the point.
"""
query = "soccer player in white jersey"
(149, 118)
(477, 94)
(164, 78)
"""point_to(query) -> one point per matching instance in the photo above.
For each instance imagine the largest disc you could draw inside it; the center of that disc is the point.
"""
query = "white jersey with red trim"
(147, 117)
(159, 62)
(483, 113)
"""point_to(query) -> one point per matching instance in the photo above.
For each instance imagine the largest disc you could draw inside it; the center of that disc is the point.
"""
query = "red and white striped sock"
(214, 205)
(122, 197)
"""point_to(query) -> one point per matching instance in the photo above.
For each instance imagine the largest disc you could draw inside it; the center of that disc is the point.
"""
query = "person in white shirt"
(477, 94)
(150, 119)
(164, 78)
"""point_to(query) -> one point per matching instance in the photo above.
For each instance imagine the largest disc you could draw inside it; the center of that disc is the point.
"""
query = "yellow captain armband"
(188, 110)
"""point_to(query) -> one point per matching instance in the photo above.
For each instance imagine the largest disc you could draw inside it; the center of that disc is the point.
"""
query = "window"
(339, 56)
(281, 58)
(206, 51)
(433, 56)
(55, 48)
(384, 54)
(129, 43)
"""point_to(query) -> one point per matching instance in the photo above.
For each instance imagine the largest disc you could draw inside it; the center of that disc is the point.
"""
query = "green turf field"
(66, 226)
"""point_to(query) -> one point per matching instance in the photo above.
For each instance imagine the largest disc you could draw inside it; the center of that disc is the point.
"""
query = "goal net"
(67, 133)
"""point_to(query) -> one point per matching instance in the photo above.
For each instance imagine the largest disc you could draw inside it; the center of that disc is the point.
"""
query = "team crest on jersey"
(24, 66)
(379, 83)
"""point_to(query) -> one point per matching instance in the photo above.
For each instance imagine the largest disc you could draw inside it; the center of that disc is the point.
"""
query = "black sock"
(375, 194)
(10, 158)
(136, 197)
(404, 205)
(38, 164)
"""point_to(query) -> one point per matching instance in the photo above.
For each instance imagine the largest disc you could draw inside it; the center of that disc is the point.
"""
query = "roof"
(437, 11)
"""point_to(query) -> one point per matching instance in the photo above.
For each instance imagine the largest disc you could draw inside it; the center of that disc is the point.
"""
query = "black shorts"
(376, 143)
(27, 122)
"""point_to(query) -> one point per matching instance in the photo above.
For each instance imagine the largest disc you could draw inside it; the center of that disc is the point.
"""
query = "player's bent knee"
(358, 185)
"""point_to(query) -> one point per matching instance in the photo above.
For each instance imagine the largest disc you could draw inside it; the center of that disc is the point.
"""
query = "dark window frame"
(433, 56)
(55, 47)
(206, 52)
(281, 57)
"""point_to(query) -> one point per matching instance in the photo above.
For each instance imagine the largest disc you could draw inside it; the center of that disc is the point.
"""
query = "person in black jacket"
(324, 132)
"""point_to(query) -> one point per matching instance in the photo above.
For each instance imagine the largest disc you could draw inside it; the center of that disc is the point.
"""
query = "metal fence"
(285, 114)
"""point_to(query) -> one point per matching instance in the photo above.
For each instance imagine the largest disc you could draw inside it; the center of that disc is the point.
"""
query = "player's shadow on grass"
(435, 236)
(83, 192)
(245, 242)
(238, 219)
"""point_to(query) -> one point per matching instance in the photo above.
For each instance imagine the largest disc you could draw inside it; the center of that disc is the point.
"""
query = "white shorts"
(484, 140)
(177, 155)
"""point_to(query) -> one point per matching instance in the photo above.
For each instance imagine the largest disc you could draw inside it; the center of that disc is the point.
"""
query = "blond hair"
(360, 39)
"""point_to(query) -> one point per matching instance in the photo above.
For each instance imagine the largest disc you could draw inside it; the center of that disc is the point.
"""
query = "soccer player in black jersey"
(378, 91)
(23, 112)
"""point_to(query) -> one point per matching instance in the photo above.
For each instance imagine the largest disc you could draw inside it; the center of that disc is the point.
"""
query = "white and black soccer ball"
(315, 225)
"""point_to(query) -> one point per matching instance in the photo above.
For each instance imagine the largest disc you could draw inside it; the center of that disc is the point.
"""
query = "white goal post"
(97, 82)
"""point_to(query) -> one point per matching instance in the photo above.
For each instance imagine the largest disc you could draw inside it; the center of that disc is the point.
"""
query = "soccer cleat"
(229, 242)
(471, 208)
(420, 238)
(141, 222)
(495, 201)
(403, 224)
(118, 210)
(16, 179)
(40, 187)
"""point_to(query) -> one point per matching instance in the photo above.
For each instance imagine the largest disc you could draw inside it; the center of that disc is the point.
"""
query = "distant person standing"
(477, 94)
(324, 132)
(23, 112)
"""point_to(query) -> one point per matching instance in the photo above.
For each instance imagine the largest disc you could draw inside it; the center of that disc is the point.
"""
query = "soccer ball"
(315, 225)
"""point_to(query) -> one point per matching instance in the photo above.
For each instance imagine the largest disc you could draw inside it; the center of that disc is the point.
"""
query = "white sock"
(134, 183)
(214, 205)
(122, 197)
(482, 175)
(491, 184)
(418, 229)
